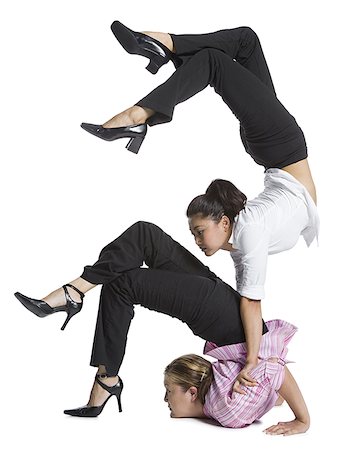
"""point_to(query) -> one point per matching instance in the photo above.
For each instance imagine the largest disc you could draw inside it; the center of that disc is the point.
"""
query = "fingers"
(290, 432)
(237, 388)
(270, 429)
(275, 429)
(243, 380)
(248, 380)
(248, 383)
(283, 428)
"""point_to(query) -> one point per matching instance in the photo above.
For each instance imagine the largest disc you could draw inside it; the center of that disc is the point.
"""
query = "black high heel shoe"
(42, 309)
(136, 133)
(94, 411)
(141, 44)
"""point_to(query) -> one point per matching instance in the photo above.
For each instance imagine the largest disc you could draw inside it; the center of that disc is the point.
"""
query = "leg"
(269, 133)
(143, 242)
(241, 44)
(208, 306)
(272, 138)
(57, 297)
(244, 93)
(135, 115)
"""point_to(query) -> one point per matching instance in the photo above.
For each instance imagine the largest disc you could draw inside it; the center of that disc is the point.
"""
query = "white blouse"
(270, 223)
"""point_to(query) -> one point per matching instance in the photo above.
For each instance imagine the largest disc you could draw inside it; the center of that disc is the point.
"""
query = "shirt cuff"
(252, 292)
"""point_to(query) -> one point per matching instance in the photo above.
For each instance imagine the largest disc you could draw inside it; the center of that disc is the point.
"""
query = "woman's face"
(179, 402)
(209, 235)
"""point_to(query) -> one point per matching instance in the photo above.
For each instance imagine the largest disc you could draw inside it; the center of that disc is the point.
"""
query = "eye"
(200, 232)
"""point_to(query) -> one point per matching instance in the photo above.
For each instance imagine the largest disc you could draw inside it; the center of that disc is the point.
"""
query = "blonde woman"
(196, 387)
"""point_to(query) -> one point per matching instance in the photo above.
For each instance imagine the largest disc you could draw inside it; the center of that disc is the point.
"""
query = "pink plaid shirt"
(235, 410)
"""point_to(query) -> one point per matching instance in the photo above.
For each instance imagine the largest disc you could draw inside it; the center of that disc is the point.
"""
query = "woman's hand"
(288, 428)
(244, 379)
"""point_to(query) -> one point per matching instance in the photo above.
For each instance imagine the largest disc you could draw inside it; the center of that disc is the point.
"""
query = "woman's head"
(187, 380)
(212, 214)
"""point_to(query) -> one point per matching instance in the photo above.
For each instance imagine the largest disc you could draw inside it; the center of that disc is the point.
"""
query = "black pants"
(233, 63)
(175, 283)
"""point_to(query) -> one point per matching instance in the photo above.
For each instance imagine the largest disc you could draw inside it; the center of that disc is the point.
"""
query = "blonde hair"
(191, 370)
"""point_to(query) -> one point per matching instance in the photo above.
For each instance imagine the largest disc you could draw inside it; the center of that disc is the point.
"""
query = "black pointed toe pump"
(42, 309)
(94, 411)
(136, 133)
(141, 44)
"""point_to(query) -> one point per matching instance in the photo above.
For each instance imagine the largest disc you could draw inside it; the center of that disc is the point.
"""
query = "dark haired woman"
(231, 61)
(222, 218)
(177, 284)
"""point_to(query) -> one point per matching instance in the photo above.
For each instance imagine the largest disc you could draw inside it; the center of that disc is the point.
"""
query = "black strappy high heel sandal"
(141, 44)
(42, 309)
(136, 133)
(94, 411)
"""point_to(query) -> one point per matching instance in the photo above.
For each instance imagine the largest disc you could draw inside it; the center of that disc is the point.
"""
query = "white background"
(65, 194)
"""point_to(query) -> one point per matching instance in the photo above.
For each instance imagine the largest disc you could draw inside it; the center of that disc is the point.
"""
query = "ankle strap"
(110, 389)
(75, 289)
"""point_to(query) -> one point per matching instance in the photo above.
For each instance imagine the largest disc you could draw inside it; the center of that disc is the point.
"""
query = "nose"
(198, 241)
(165, 397)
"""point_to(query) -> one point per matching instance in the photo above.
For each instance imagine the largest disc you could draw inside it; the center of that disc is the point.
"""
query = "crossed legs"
(239, 44)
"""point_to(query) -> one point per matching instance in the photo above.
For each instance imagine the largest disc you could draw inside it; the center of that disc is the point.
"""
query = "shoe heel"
(68, 317)
(119, 403)
(153, 67)
(134, 144)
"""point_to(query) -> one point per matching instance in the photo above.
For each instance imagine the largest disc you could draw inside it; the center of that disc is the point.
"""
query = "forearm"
(293, 396)
(250, 311)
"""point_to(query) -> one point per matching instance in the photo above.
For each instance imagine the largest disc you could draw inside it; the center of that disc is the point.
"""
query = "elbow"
(250, 306)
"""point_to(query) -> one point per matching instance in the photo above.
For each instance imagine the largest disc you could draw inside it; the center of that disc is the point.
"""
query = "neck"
(227, 245)
(197, 410)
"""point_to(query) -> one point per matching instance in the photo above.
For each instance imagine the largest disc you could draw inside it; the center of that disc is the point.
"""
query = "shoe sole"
(125, 37)
(77, 414)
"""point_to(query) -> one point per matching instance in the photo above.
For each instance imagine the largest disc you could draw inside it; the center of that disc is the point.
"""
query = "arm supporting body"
(291, 393)
(293, 396)
(250, 311)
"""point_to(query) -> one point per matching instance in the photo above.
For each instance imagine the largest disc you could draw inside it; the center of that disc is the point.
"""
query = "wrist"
(304, 420)
(253, 360)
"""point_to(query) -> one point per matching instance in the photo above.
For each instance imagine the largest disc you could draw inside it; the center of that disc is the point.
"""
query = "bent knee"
(249, 32)
(142, 223)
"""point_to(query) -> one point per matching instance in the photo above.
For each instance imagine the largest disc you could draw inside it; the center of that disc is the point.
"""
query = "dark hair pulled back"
(221, 198)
